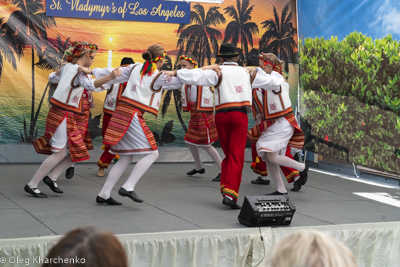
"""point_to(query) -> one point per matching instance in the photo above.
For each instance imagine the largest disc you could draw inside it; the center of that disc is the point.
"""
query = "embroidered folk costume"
(202, 132)
(110, 104)
(258, 165)
(67, 120)
(233, 98)
(127, 132)
(278, 128)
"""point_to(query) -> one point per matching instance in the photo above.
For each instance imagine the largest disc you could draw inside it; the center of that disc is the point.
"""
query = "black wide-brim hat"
(228, 50)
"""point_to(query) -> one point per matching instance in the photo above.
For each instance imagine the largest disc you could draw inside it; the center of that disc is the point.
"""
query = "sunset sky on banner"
(131, 35)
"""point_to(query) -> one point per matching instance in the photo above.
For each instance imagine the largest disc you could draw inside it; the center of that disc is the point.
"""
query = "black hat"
(127, 61)
(253, 62)
(228, 50)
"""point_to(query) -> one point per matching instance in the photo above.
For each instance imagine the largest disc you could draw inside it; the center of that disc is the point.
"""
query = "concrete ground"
(174, 201)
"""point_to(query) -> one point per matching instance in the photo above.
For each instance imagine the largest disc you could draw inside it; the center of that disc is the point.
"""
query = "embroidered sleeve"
(198, 77)
(87, 83)
(166, 82)
(124, 77)
(268, 82)
(54, 78)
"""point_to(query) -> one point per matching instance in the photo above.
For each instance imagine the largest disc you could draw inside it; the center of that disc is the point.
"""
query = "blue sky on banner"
(375, 18)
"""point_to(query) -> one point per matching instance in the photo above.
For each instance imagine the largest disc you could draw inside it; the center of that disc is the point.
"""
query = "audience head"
(92, 246)
(311, 248)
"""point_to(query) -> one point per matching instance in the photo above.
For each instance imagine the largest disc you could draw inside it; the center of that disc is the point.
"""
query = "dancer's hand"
(84, 69)
(214, 67)
(114, 74)
(250, 70)
(169, 73)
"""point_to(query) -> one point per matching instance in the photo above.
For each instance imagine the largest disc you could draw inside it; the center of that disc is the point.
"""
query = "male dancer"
(233, 98)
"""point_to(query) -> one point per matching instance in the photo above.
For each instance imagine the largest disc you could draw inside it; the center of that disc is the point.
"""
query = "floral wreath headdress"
(189, 59)
(267, 61)
(149, 67)
(78, 49)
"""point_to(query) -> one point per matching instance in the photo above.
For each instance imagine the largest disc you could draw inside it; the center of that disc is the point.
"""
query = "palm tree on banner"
(241, 29)
(176, 94)
(7, 46)
(31, 22)
(199, 37)
(280, 36)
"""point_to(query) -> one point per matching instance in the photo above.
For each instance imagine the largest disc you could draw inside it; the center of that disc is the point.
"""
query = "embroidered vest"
(112, 97)
(233, 88)
(272, 103)
(67, 96)
(140, 94)
(205, 98)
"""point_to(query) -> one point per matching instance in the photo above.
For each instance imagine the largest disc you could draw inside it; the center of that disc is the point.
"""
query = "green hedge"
(357, 66)
(351, 101)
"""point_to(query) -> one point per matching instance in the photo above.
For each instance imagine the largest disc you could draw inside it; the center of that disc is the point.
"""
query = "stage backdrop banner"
(148, 10)
(33, 46)
(350, 67)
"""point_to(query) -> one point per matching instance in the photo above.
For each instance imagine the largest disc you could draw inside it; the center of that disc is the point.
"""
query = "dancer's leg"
(47, 165)
(140, 168)
(273, 171)
(285, 161)
(61, 167)
(214, 155)
(196, 155)
(115, 173)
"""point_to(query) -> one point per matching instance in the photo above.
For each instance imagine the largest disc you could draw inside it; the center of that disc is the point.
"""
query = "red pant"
(232, 133)
(106, 157)
(261, 166)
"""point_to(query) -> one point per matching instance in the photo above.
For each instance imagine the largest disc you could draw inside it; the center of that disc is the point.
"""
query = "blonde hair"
(153, 52)
(275, 60)
(77, 50)
(311, 248)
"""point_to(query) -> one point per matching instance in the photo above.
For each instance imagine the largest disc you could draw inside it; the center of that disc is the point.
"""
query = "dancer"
(258, 165)
(233, 97)
(110, 103)
(127, 132)
(278, 127)
(202, 132)
(66, 123)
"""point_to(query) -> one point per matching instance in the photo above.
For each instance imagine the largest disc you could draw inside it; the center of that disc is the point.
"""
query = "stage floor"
(174, 201)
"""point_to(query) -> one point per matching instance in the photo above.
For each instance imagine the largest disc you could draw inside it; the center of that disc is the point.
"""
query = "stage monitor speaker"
(268, 210)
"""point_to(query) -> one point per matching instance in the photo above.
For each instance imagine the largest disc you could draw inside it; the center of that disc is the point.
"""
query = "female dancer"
(202, 131)
(66, 122)
(110, 103)
(278, 128)
(127, 132)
